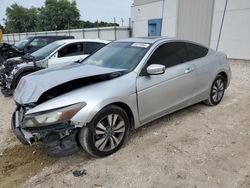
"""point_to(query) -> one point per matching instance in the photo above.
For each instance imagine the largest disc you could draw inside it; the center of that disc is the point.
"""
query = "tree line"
(54, 15)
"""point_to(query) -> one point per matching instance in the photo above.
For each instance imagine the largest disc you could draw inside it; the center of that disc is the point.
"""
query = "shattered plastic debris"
(78, 173)
(156, 133)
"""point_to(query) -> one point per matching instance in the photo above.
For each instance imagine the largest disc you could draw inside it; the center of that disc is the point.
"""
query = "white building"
(197, 20)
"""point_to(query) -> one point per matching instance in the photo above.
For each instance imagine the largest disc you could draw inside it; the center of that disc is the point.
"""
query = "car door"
(161, 94)
(68, 54)
(197, 54)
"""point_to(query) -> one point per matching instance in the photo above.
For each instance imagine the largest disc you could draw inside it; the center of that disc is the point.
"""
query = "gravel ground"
(198, 147)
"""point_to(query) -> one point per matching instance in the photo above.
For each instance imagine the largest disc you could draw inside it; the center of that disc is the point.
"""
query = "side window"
(169, 54)
(92, 47)
(39, 42)
(195, 51)
(71, 50)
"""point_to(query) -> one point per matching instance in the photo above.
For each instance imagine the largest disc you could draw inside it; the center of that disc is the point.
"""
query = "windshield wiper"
(78, 61)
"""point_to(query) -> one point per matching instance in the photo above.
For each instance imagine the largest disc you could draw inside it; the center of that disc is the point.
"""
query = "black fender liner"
(60, 147)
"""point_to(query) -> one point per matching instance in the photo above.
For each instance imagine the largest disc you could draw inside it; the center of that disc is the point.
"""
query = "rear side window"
(170, 54)
(92, 47)
(71, 50)
(39, 42)
(196, 51)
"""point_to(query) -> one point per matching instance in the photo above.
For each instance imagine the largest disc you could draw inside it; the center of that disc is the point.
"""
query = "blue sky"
(89, 9)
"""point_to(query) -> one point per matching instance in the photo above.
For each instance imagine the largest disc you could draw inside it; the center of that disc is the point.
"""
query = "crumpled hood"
(32, 86)
(19, 60)
(13, 61)
(30, 58)
(8, 51)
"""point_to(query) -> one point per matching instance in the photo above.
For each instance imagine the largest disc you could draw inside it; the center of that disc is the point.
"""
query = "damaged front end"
(8, 51)
(5, 81)
(6, 75)
(47, 107)
(53, 128)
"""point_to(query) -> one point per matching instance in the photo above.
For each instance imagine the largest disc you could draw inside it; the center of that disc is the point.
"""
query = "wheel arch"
(85, 115)
(20, 72)
(128, 112)
(225, 76)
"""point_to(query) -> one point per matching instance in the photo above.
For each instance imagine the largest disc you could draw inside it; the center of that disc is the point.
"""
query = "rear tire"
(217, 91)
(106, 133)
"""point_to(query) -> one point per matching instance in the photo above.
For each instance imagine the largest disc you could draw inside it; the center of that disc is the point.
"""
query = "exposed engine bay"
(75, 84)
(10, 72)
(8, 51)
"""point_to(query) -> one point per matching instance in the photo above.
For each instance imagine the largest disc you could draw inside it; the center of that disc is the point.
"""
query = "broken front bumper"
(21, 135)
(59, 140)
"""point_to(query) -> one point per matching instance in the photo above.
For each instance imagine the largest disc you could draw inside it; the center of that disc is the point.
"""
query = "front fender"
(84, 116)
(17, 72)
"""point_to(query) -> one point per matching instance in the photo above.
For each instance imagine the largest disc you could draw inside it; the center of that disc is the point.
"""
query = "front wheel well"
(128, 111)
(22, 74)
(224, 75)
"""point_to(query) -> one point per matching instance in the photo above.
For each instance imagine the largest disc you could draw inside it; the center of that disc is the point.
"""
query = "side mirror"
(30, 46)
(156, 69)
(55, 55)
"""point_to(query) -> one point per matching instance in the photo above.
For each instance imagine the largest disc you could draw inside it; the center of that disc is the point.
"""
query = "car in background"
(58, 53)
(28, 45)
(126, 84)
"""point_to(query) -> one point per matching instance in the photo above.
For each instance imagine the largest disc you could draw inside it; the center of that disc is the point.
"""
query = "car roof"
(51, 36)
(152, 40)
(149, 40)
(68, 41)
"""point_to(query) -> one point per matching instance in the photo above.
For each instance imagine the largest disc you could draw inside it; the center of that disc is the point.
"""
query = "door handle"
(188, 70)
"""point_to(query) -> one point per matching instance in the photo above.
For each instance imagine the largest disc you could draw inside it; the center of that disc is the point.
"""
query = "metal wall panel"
(105, 33)
(143, 2)
(195, 20)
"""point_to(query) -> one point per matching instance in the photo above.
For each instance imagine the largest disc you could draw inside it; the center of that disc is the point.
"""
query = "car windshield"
(47, 50)
(22, 43)
(119, 55)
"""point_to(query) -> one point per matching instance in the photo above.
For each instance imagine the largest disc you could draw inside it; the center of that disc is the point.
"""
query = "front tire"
(217, 91)
(106, 133)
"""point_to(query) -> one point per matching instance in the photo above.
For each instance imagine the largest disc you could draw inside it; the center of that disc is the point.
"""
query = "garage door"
(195, 20)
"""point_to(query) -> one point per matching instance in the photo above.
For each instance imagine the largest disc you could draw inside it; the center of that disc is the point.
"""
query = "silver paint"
(148, 97)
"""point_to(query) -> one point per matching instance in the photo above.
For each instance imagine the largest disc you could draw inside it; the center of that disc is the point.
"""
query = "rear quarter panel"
(207, 69)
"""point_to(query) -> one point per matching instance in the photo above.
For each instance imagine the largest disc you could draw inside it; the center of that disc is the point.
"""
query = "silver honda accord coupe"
(94, 104)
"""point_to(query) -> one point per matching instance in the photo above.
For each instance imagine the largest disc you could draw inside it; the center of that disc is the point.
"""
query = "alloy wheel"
(109, 132)
(218, 90)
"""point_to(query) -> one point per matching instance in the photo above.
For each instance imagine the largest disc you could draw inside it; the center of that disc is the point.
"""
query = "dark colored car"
(28, 45)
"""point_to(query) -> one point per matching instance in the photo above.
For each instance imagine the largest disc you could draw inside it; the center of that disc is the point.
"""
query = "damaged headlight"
(54, 116)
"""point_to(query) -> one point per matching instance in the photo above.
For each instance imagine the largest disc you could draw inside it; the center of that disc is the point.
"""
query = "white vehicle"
(61, 53)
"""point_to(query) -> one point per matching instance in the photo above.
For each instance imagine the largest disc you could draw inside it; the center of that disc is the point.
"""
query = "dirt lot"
(198, 147)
